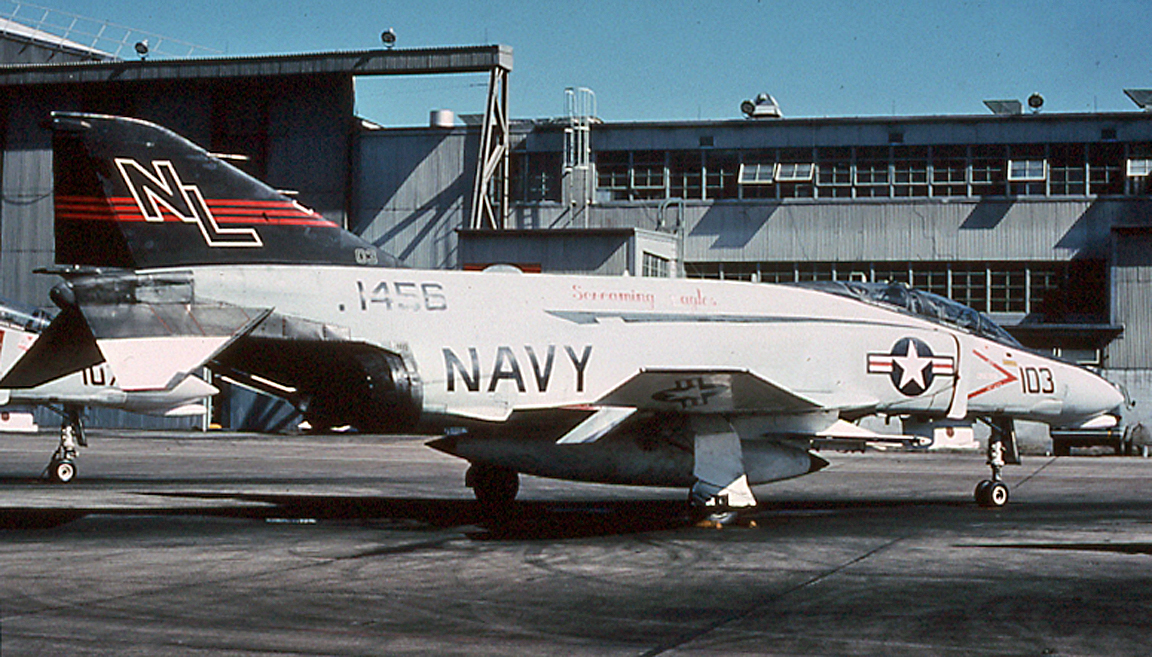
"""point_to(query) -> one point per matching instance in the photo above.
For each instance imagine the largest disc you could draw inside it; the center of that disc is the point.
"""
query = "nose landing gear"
(62, 466)
(1001, 451)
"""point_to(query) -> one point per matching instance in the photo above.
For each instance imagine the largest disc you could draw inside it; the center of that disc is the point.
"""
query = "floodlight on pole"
(142, 48)
(388, 36)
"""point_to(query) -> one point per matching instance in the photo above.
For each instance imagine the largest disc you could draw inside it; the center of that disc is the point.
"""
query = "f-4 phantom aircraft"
(30, 340)
(175, 259)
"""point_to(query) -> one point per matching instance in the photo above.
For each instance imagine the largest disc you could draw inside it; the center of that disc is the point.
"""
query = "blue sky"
(690, 60)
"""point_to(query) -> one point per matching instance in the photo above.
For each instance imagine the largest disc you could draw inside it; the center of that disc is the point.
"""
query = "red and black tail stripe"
(231, 211)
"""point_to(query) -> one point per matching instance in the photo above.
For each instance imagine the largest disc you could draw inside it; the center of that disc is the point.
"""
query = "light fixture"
(388, 37)
(142, 48)
(1005, 107)
(764, 106)
(1142, 97)
(1035, 102)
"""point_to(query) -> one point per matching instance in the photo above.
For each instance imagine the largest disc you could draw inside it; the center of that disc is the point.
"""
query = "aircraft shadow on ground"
(524, 520)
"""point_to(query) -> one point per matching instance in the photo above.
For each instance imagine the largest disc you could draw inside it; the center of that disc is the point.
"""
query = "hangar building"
(1043, 220)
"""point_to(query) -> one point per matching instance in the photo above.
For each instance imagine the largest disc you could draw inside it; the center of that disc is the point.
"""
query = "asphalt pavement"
(226, 544)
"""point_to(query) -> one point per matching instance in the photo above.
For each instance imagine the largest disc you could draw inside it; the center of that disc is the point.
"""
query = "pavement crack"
(694, 635)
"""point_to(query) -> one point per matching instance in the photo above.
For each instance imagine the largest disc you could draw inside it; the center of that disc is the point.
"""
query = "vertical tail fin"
(132, 194)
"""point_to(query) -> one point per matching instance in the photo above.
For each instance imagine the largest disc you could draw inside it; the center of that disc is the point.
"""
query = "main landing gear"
(721, 489)
(495, 487)
(62, 467)
(1001, 451)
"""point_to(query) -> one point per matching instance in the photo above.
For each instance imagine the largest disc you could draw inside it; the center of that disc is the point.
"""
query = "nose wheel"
(992, 493)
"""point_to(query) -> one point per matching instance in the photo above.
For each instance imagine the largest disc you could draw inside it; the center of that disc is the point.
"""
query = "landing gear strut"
(1001, 451)
(721, 489)
(62, 467)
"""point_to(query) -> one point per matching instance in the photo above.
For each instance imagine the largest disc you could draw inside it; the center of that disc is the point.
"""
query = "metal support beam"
(428, 61)
(490, 192)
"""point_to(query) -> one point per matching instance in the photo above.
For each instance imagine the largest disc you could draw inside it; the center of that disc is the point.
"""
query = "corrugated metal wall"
(1132, 299)
(831, 231)
(412, 191)
(26, 227)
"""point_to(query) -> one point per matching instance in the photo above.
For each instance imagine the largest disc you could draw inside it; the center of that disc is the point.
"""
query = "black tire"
(982, 492)
(495, 488)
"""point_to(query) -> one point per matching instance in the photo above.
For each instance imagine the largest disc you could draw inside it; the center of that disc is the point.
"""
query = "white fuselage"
(488, 344)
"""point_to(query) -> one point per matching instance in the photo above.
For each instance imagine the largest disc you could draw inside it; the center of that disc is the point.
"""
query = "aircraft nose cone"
(1095, 396)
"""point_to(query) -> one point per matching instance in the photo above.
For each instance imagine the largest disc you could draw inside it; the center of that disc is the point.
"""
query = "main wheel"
(495, 488)
(62, 472)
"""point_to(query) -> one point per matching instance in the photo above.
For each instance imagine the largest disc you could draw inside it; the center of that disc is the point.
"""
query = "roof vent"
(442, 118)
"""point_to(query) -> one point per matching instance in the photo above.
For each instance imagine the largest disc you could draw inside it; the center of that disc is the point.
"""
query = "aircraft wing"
(706, 391)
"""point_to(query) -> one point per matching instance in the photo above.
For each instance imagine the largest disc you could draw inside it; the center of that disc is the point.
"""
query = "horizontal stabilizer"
(705, 391)
(160, 362)
(66, 346)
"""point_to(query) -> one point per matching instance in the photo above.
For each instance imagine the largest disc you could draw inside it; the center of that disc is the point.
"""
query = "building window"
(535, 177)
(931, 277)
(1052, 292)
(648, 180)
(1139, 167)
(910, 171)
(892, 272)
(654, 266)
(1083, 357)
(1007, 290)
(901, 171)
(1105, 167)
(795, 173)
(705, 270)
(757, 173)
(1067, 170)
(612, 175)
(949, 171)
(1027, 170)
(777, 272)
(686, 173)
(720, 170)
(872, 172)
(835, 173)
(787, 172)
(988, 171)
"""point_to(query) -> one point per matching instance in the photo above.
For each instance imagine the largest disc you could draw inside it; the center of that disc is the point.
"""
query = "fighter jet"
(175, 259)
(29, 348)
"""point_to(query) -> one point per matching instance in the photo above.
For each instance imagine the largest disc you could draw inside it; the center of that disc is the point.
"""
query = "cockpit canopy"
(932, 307)
(23, 316)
